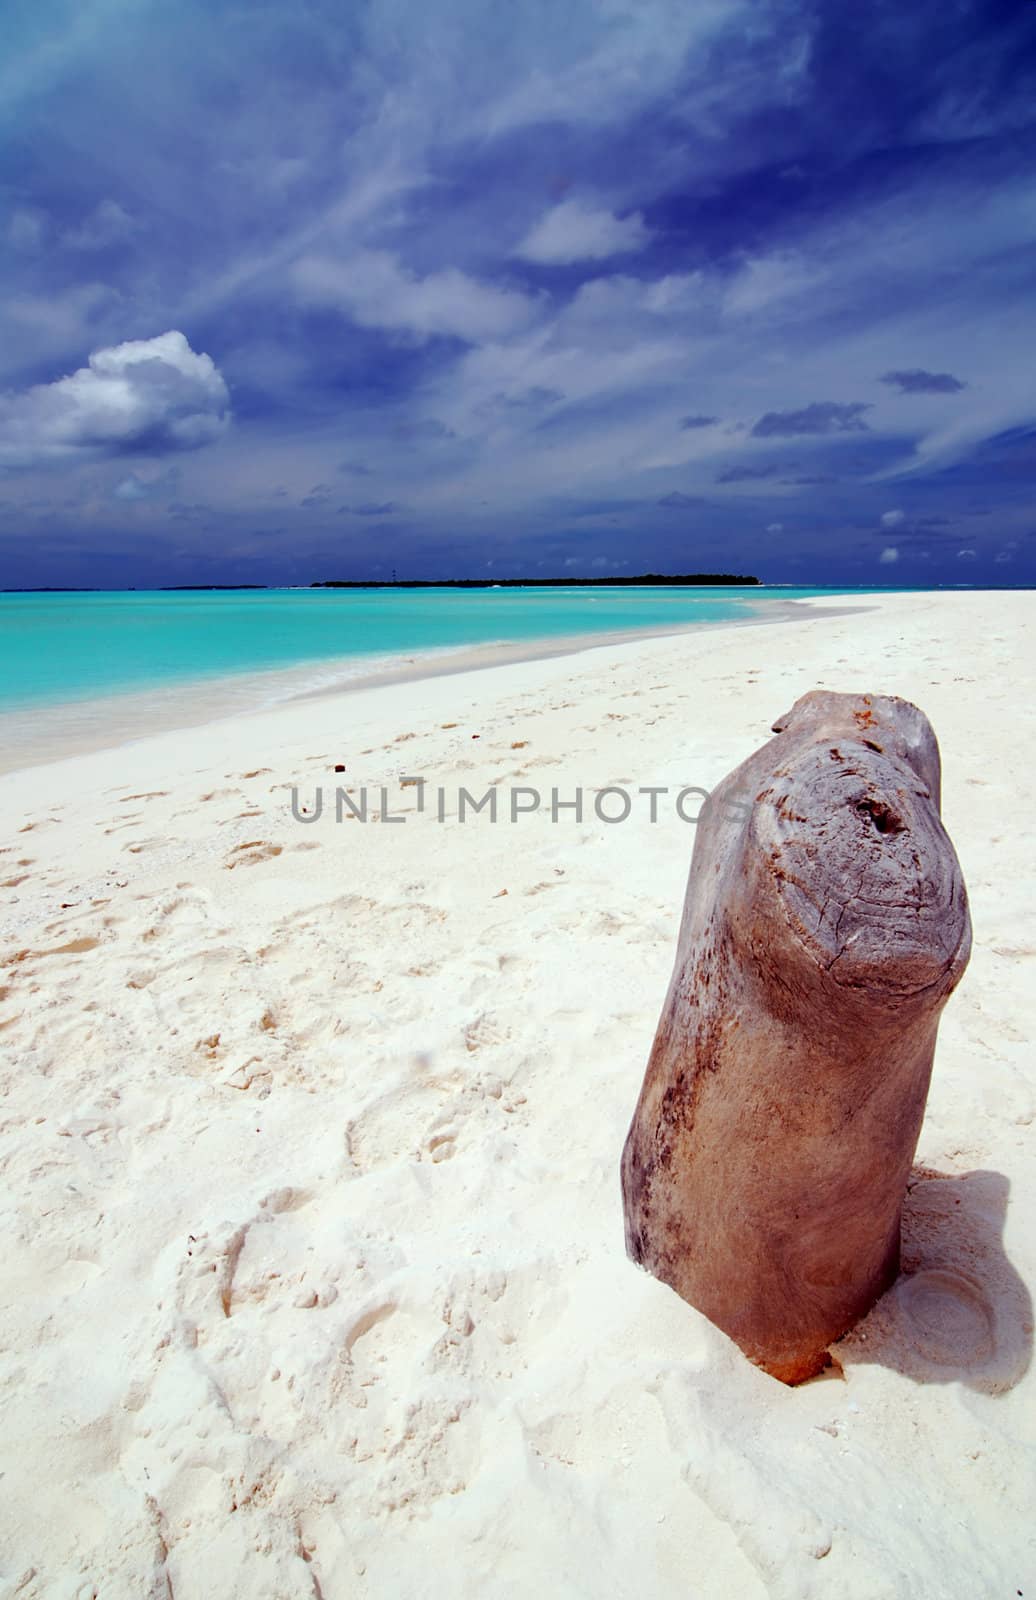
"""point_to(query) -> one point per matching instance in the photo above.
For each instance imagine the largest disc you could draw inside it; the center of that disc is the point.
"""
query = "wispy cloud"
(747, 474)
(677, 501)
(577, 231)
(377, 291)
(136, 487)
(761, 282)
(108, 224)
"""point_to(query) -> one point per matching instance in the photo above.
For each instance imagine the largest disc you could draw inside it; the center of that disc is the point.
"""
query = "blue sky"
(586, 287)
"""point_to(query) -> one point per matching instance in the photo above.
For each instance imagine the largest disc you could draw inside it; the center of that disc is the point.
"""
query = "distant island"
(646, 580)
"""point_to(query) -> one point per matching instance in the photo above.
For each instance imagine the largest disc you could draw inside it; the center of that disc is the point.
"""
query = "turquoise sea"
(61, 648)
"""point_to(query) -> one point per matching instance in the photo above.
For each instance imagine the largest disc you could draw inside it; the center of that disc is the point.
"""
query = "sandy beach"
(314, 1279)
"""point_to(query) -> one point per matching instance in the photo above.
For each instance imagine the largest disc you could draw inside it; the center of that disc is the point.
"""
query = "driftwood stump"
(825, 925)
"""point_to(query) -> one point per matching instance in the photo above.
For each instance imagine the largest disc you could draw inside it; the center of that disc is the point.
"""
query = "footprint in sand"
(483, 1031)
(420, 1438)
(252, 853)
(442, 1146)
(389, 1128)
(236, 1266)
(368, 1354)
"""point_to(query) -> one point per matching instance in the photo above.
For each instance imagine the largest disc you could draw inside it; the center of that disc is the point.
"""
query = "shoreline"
(39, 736)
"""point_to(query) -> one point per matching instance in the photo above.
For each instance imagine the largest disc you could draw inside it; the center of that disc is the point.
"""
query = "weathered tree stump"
(825, 925)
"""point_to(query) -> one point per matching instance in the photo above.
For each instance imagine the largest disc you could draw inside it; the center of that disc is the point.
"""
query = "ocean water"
(62, 648)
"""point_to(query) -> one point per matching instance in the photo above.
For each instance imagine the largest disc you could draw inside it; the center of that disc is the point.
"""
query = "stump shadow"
(958, 1312)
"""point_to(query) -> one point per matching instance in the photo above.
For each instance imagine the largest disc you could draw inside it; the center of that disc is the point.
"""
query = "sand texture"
(314, 1280)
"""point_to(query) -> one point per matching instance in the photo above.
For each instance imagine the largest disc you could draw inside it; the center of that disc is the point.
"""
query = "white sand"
(313, 1272)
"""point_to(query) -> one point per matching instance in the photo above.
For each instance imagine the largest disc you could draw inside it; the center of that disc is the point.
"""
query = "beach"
(315, 1282)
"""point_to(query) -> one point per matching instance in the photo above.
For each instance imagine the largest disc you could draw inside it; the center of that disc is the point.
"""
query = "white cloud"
(40, 327)
(377, 292)
(576, 231)
(109, 223)
(966, 555)
(775, 527)
(673, 294)
(27, 230)
(597, 63)
(131, 488)
(760, 282)
(591, 369)
(134, 488)
(892, 519)
(613, 304)
(147, 394)
(888, 555)
(287, 171)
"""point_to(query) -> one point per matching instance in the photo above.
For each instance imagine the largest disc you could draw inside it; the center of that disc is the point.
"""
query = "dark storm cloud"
(823, 416)
(916, 381)
(529, 399)
(430, 429)
(317, 496)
